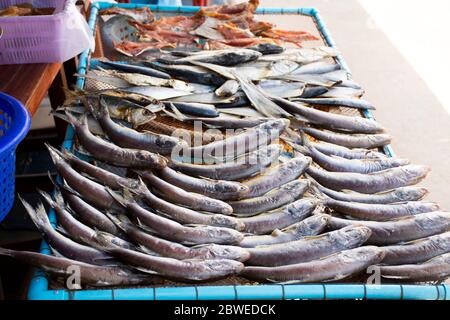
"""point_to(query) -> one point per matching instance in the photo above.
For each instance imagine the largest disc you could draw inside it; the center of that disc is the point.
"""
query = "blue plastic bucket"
(15, 122)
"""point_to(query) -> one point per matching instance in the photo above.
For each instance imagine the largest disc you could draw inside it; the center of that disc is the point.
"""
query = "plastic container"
(15, 122)
(46, 38)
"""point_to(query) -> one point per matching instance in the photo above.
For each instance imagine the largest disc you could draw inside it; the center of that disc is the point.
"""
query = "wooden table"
(29, 83)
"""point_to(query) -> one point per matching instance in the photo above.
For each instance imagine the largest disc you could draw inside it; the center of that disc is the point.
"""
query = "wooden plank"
(28, 83)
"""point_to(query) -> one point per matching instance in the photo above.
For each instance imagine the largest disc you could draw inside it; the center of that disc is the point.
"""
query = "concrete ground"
(406, 105)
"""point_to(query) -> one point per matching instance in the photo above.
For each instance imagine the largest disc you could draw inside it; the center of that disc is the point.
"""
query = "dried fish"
(218, 189)
(276, 177)
(241, 143)
(197, 270)
(333, 268)
(97, 276)
(309, 248)
(129, 67)
(400, 230)
(417, 251)
(274, 199)
(311, 226)
(372, 182)
(241, 168)
(368, 141)
(174, 231)
(281, 218)
(175, 250)
(111, 153)
(184, 198)
(436, 269)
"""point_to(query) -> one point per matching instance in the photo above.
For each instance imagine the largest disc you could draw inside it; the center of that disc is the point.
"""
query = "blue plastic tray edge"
(39, 290)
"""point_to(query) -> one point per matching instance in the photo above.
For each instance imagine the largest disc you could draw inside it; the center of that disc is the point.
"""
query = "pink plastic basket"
(43, 39)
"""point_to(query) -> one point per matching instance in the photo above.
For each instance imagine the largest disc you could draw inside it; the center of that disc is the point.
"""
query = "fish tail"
(38, 215)
(117, 197)
(55, 154)
(48, 198)
(103, 110)
(7, 252)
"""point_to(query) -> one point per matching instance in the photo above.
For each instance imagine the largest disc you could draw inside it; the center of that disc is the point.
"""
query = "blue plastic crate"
(39, 289)
(15, 122)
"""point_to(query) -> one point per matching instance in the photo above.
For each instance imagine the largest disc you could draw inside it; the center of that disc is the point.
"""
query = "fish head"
(353, 236)
(224, 235)
(299, 163)
(415, 171)
(224, 266)
(215, 251)
(296, 187)
(230, 187)
(302, 206)
(229, 222)
(410, 193)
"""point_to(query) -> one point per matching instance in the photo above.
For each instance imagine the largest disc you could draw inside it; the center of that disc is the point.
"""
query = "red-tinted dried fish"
(130, 48)
(231, 31)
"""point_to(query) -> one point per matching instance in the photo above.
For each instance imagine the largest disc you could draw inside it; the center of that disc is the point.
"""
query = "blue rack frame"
(39, 289)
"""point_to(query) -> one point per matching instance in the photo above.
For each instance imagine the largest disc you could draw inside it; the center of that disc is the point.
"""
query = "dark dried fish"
(309, 248)
(185, 215)
(174, 231)
(197, 270)
(176, 250)
(436, 269)
(311, 226)
(380, 212)
(92, 275)
(130, 67)
(402, 194)
(242, 168)
(339, 102)
(333, 268)
(329, 120)
(368, 141)
(276, 177)
(405, 229)
(91, 191)
(111, 153)
(64, 246)
(218, 189)
(417, 251)
(372, 182)
(187, 199)
(189, 73)
(274, 199)
(130, 138)
(278, 219)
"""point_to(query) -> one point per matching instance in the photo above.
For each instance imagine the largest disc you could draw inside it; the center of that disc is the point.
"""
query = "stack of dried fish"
(279, 187)
(212, 28)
